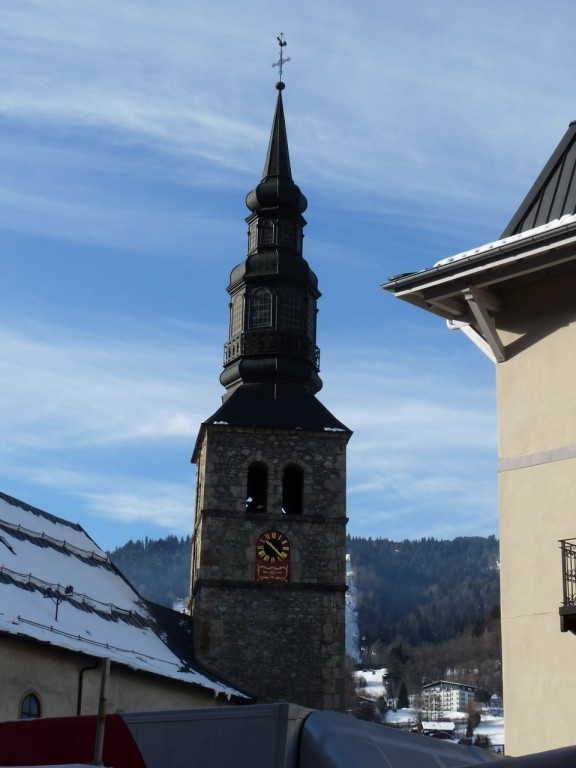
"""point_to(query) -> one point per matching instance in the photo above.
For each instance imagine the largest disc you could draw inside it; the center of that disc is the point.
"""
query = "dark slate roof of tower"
(553, 194)
(248, 407)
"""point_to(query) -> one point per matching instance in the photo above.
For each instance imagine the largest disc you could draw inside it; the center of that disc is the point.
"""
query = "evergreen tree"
(403, 701)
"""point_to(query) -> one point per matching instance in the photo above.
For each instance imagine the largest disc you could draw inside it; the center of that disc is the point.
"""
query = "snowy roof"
(526, 235)
(449, 684)
(447, 288)
(57, 586)
(438, 725)
(538, 243)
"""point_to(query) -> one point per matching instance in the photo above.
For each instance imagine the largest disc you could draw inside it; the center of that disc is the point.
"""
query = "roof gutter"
(443, 270)
(473, 273)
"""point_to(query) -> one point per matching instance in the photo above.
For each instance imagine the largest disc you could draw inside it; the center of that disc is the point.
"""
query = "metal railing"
(271, 342)
(568, 549)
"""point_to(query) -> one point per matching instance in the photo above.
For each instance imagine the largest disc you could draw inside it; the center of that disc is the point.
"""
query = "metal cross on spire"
(281, 61)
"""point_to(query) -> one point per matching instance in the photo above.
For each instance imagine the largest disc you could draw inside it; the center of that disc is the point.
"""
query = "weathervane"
(281, 61)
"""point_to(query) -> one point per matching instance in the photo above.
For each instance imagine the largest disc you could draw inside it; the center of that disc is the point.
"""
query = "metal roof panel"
(553, 194)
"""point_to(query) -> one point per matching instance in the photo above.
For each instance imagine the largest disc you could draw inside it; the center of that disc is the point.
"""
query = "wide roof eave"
(474, 264)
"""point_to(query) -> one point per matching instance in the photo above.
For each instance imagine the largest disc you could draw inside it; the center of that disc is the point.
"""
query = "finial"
(281, 61)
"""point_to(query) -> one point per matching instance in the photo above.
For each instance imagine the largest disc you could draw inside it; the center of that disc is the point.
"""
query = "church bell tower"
(268, 571)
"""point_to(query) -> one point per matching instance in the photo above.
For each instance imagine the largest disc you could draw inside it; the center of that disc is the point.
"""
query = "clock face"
(272, 548)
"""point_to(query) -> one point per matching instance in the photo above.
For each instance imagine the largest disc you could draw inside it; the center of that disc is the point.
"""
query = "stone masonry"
(277, 641)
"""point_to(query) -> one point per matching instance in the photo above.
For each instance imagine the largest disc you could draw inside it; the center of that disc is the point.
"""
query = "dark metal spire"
(277, 189)
(271, 361)
(278, 157)
(272, 332)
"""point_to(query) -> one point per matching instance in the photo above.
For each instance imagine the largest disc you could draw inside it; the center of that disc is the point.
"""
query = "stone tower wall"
(278, 641)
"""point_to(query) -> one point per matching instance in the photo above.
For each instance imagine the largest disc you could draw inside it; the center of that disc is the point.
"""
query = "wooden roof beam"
(475, 298)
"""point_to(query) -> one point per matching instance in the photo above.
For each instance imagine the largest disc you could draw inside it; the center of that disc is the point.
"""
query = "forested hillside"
(159, 569)
(426, 609)
(430, 609)
(426, 591)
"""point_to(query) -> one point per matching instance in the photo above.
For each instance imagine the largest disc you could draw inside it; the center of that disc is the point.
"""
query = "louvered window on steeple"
(292, 312)
(253, 236)
(287, 233)
(237, 315)
(257, 487)
(260, 308)
(311, 319)
(292, 490)
(267, 233)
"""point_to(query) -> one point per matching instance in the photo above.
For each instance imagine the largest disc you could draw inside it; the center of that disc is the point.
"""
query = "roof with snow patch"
(252, 407)
(539, 242)
(58, 587)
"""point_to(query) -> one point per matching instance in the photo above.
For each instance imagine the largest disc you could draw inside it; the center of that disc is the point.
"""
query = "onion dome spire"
(277, 188)
(271, 362)
(271, 346)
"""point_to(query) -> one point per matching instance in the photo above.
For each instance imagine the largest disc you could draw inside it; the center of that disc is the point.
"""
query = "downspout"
(81, 686)
(102, 704)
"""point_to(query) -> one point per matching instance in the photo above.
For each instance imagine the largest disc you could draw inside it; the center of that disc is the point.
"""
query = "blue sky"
(130, 134)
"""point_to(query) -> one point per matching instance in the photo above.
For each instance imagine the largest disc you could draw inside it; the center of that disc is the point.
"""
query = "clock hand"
(278, 551)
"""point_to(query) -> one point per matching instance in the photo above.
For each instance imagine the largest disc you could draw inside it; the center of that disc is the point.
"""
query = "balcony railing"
(568, 608)
(271, 342)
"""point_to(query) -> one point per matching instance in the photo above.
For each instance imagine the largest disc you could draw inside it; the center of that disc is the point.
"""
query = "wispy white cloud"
(64, 390)
(161, 506)
(422, 459)
(169, 508)
(385, 109)
(96, 409)
(132, 125)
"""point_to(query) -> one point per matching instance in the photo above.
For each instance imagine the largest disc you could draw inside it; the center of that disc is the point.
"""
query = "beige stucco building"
(65, 609)
(516, 299)
(61, 680)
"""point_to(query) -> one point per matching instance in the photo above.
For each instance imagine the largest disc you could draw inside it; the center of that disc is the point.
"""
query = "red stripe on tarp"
(58, 740)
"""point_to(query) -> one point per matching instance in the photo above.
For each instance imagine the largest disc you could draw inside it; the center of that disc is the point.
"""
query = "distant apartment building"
(445, 696)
